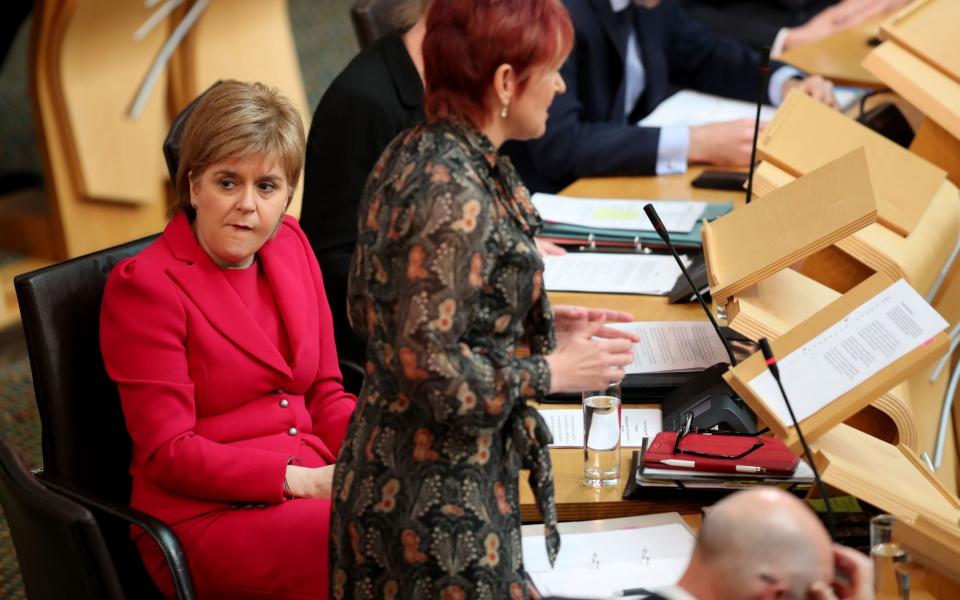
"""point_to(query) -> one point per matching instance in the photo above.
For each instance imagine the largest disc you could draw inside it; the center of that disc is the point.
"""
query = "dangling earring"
(503, 111)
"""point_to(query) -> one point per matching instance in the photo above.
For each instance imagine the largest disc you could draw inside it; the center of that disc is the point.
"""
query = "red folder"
(771, 458)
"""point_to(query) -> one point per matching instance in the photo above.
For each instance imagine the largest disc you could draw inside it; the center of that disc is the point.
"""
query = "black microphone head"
(765, 58)
(656, 222)
(765, 348)
(769, 357)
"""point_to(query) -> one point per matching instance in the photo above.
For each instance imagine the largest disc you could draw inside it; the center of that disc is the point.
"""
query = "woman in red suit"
(220, 340)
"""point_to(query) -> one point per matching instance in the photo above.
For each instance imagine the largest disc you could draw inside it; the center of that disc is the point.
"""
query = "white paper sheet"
(602, 272)
(600, 213)
(873, 336)
(691, 108)
(566, 426)
(674, 346)
(619, 560)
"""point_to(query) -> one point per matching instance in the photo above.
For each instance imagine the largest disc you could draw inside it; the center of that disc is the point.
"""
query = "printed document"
(566, 426)
(599, 558)
(650, 274)
(872, 337)
(691, 108)
(596, 213)
(674, 346)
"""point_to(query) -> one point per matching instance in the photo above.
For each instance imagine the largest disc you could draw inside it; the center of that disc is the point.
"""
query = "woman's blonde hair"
(236, 119)
(410, 11)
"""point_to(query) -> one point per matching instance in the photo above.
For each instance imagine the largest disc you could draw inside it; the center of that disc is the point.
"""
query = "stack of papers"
(697, 480)
(609, 273)
(598, 559)
(673, 346)
(691, 108)
(566, 426)
(623, 222)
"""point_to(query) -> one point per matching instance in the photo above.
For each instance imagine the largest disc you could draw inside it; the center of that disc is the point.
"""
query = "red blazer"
(213, 409)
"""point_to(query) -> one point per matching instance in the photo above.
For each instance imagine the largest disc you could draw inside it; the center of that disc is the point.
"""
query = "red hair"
(467, 40)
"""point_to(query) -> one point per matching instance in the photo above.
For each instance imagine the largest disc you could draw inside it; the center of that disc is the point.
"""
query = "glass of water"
(886, 555)
(601, 437)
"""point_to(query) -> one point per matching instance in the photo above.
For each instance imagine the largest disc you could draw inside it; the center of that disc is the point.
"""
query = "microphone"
(764, 76)
(665, 236)
(775, 371)
(706, 395)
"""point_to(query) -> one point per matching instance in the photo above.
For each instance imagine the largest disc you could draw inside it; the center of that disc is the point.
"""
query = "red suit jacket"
(213, 409)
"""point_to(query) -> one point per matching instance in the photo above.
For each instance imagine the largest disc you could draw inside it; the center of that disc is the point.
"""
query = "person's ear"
(194, 183)
(771, 589)
(504, 84)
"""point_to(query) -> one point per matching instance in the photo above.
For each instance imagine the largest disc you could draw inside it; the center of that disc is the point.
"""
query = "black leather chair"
(372, 19)
(61, 551)
(86, 448)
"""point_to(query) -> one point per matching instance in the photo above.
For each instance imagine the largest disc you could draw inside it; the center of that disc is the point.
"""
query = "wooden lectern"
(918, 210)
(749, 251)
(920, 60)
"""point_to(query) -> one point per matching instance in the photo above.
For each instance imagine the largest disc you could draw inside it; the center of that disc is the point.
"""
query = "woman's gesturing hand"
(307, 482)
(584, 360)
(568, 318)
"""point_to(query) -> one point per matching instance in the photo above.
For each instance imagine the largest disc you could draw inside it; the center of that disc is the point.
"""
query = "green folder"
(623, 237)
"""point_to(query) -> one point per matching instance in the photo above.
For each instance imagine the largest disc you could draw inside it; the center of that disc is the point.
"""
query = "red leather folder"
(771, 458)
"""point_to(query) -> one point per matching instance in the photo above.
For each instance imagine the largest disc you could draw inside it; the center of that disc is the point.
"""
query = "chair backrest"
(59, 546)
(85, 442)
(372, 19)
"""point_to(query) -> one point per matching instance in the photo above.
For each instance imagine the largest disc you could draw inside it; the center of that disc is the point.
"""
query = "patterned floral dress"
(445, 283)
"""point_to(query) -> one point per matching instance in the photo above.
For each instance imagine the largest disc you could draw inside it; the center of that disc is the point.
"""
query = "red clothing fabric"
(215, 411)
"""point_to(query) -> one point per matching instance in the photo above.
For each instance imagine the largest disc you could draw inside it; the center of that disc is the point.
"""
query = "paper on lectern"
(872, 337)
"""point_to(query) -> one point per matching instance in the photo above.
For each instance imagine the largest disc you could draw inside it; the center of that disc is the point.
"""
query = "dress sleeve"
(143, 338)
(420, 286)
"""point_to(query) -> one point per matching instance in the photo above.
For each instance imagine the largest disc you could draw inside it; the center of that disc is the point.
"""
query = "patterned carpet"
(20, 427)
(325, 43)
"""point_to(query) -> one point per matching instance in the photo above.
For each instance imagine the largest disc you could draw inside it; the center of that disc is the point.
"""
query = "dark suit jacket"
(377, 96)
(754, 22)
(588, 133)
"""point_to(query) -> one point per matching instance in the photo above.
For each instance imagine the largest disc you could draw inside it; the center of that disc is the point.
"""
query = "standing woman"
(446, 283)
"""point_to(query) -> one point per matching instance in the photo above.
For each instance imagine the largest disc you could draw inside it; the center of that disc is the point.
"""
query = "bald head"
(763, 542)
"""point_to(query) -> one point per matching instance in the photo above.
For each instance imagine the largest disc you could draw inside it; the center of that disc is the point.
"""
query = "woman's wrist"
(292, 482)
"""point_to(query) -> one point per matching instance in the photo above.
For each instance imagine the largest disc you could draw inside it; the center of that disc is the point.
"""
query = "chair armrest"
(162, 534)
(353, 375)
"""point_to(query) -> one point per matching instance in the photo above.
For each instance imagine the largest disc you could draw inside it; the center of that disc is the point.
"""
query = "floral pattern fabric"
(445, 283)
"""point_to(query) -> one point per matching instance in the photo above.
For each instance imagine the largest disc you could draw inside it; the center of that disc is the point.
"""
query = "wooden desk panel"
(838, 57)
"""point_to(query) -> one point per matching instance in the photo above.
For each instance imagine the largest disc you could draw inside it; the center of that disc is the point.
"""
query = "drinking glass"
(601, 437)
(886, 554)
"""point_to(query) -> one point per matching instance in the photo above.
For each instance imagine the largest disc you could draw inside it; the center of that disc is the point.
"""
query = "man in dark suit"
(628, 57)
(784, 24)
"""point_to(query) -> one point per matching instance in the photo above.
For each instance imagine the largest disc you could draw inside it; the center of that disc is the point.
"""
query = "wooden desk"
(576, 501)
(838, 57)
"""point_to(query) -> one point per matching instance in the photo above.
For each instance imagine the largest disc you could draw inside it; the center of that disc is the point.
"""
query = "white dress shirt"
(674, 143)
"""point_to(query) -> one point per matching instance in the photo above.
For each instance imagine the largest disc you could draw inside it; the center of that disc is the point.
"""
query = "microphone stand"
(775, 371)
(764, 76)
